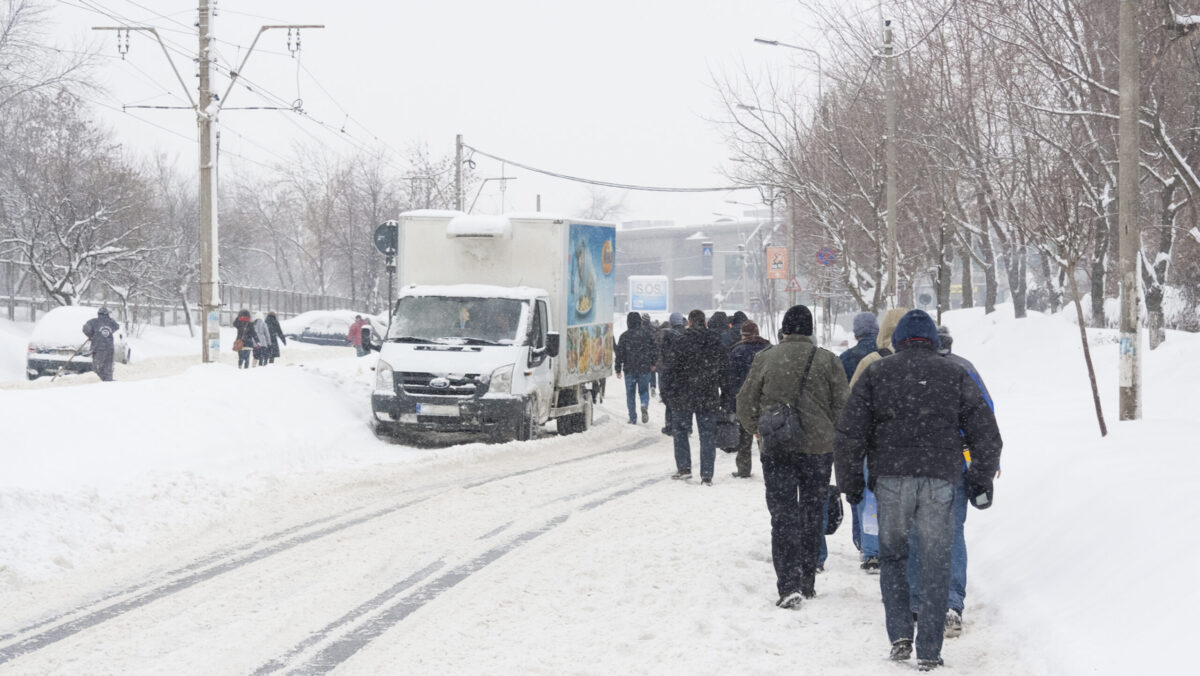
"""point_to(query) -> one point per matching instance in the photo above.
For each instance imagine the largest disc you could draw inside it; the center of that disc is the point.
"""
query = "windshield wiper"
(408, 339)
(479, 341)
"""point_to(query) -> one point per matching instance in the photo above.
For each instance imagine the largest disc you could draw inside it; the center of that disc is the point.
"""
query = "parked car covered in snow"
(58, 336)
(329, 327)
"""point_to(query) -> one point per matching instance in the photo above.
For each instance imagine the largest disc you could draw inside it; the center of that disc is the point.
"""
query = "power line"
(606, 184)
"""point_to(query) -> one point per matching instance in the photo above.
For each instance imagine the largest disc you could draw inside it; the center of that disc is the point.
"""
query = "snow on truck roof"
(473, 291)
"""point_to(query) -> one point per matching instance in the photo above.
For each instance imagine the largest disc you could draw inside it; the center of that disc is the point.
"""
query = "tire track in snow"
(200, 571)
(343, 648)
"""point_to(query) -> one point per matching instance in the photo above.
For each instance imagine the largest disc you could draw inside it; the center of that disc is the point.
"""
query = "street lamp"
(820, 70)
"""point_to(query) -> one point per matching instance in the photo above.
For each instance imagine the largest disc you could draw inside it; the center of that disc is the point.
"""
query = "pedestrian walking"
(908, 417)
(802, 385)
(671, 334)
(741, 356)
(634, 362)
(733, 335)
(867, 511)
(262, 340)
(355, 336)
(866, 328)
(957, 591)
(277, 336)
(100, 330)
(243, 342)
(696, 365)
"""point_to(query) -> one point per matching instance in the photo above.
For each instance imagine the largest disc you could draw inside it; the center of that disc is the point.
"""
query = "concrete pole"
(458, 183)
(1128, 197)
(209, 269)
(893, 286)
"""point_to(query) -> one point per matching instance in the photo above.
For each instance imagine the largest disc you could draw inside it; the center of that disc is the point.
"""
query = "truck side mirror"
(552, 343)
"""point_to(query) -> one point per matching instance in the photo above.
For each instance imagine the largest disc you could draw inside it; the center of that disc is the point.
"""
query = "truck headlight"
(384, 377)
(501, 380)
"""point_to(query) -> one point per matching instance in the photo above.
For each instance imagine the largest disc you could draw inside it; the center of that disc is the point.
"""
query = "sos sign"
(649, 293)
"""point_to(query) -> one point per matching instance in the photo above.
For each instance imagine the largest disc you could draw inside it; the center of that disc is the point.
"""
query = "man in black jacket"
(636, 355)
(741, 356)
(909, 416)
(696, 365)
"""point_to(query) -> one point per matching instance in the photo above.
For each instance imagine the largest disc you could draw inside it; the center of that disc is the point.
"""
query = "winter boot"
(682, 474)
(901, 650)
(929, 665)
(871, 565)
(645, 414)
(953, 624)
(790, 601)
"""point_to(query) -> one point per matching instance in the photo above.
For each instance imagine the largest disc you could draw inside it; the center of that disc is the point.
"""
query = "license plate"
(447, 410)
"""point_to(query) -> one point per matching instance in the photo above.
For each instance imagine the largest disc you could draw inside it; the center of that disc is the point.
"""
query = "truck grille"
(418, 384)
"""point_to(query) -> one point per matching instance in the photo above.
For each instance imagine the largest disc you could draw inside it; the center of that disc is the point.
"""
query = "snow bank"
(99, 467)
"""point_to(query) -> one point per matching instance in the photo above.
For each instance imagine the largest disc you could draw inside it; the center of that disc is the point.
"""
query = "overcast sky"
(616, 90)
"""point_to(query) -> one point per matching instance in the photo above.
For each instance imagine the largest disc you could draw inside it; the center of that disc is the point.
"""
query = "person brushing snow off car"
(100, 331)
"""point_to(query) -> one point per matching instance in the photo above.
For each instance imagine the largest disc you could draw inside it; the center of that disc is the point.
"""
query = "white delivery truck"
(501, 324)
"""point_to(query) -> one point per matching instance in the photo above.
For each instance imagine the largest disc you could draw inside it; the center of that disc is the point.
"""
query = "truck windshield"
(454, 320)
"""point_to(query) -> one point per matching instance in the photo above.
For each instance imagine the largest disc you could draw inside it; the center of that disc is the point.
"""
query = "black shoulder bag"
(779, 427)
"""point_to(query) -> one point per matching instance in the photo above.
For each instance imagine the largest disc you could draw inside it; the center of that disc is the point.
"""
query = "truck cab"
(467, 358)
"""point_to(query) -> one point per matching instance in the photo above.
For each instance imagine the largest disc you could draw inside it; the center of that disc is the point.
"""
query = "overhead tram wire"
(262, 92)
(607, 184)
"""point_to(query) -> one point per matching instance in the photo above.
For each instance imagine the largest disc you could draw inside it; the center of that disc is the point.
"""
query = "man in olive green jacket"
(796, 479)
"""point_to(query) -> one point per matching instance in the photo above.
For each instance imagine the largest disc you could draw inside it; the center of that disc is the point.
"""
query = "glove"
(979, 495)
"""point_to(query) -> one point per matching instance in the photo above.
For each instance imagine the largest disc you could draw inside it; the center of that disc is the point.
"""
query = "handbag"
(238, 345)
(729, 433)
(780, 428)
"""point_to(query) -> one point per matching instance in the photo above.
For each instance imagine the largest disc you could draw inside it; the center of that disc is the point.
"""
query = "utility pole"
(210, 292)
(1128, 197)
(207, 107)
(458, 160)
(893, 286)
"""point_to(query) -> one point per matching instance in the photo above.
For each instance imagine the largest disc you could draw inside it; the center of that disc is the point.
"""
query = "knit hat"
(676, 319)
(915, 325)
(749, 329)
(946, 339)
(865, 324)
(102, 312)
(797, 321)
(719, 321)
(738, 318)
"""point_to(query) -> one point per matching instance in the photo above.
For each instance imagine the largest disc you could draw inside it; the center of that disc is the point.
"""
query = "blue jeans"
(706, 423)
(920, 507)
(797, 486)
(957, 592)
(641, 383)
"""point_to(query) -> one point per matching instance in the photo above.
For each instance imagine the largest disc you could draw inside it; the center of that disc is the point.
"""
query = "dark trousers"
(796, 488)
(706, 426)
(102, 362)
